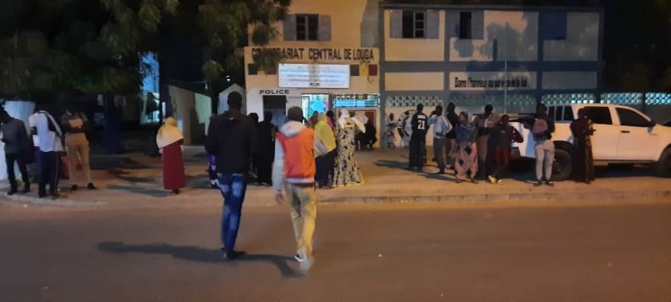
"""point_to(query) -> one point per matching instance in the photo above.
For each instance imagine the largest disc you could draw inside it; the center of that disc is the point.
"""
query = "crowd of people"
(295, 158)
(43, 146)
(479, 148)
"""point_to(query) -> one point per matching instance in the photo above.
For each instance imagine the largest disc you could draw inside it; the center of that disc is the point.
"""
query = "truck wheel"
(562, 167)
(662, 168)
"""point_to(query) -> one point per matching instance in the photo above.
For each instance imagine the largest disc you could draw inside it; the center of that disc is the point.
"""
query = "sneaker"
(550, 183)
(307, 262)
(232, 255)
(499, 181)
(492, 179)
(91, 187)
(538, 184)
(298, 258)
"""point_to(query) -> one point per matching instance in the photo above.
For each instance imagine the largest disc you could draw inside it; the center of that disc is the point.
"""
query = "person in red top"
(295, 169)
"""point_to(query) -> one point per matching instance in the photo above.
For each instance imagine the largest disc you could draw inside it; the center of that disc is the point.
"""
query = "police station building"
(510, 57)
(330, 60)
(381, 59)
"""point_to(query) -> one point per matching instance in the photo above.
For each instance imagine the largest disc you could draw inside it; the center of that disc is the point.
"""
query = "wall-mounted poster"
(314, 76)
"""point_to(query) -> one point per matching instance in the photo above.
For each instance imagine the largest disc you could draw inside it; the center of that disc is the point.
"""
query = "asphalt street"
(558, 251)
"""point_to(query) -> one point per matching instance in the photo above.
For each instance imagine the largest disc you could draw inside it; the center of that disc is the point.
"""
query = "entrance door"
(277, 105)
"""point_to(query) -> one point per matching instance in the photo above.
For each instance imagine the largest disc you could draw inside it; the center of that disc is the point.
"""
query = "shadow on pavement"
(140, 190)
(196, 254)
(392, 164)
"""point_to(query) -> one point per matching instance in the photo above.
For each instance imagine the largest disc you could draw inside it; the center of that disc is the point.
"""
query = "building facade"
(330, 60)
(510, 57)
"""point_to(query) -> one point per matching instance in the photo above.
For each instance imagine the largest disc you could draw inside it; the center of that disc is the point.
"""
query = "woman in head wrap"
(346, 171)
(169, 141)
(324, 161)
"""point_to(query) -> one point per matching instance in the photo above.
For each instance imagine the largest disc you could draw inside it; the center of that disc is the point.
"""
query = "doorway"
(277, 105)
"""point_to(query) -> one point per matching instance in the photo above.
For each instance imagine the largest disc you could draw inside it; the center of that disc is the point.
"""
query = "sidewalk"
(135, 181)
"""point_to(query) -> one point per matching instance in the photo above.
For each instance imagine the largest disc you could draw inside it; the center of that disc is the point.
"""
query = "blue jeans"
(233, 188)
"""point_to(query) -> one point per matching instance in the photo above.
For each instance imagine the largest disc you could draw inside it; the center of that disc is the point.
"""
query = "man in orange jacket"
(295, 170)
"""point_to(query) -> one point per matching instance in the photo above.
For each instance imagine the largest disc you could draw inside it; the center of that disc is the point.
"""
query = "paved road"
(428, 252)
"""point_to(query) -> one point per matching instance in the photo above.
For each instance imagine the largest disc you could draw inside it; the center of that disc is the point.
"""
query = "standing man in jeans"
(542, 128)
(295, 169)
(17, 142)
(50, 138)
(441, 126)
(420, 125)
(232, 139)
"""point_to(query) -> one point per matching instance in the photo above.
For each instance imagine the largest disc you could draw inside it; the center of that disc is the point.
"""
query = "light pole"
(505, 70)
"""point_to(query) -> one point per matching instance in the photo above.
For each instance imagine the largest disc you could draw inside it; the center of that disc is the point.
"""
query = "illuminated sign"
(314, 76)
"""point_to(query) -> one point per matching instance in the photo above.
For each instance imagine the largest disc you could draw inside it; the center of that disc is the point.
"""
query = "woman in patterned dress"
(346, 170)
(466, 160)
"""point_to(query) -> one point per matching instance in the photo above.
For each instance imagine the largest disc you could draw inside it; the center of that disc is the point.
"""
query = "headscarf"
(168, 133)
(361, 118)
(324, 133)
(344, 117)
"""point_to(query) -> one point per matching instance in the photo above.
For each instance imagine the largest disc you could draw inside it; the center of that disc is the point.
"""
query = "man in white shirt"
(441, 127)
(50, 147)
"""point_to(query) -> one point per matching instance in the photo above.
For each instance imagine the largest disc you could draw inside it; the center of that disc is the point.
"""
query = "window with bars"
(307, 27)
(466, 25)
(414, 24)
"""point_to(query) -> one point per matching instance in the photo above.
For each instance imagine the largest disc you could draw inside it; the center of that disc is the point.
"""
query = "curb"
(504, 197)
(52, 202)
(471, 198)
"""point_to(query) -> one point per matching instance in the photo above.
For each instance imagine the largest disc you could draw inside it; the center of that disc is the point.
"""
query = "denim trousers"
(233, 188)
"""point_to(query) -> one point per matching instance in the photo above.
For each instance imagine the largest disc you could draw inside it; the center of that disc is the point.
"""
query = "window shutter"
(324, 28)
(396, 24)
(432, 24)
(478, 25)
(290, 28)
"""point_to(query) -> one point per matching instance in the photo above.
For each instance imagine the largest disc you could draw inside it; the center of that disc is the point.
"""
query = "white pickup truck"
(623, 136)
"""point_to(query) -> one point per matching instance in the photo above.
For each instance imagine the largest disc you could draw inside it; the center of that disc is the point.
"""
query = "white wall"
(414, 49)
(514, 33)
(409, 81)
(582, 41)
(353, 23)
(570, 80)
(223, 98)
(184, 101)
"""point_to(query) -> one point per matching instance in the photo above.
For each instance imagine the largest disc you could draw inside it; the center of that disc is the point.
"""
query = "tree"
(51, 47)
(216, 27)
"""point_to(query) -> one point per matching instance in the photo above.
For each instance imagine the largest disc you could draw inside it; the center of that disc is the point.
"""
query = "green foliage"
(54, 47)
(218, 27)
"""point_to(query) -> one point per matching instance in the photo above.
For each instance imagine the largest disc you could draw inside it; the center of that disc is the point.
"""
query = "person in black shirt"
(265, 132)
(15, 136)
(232, 139)
(453, 118)
(420, 126)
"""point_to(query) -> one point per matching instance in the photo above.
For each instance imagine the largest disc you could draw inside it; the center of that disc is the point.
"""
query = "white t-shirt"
(48, 141)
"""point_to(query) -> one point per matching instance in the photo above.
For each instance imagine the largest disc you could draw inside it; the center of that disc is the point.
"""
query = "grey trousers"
(439, 151)
(545, 154)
